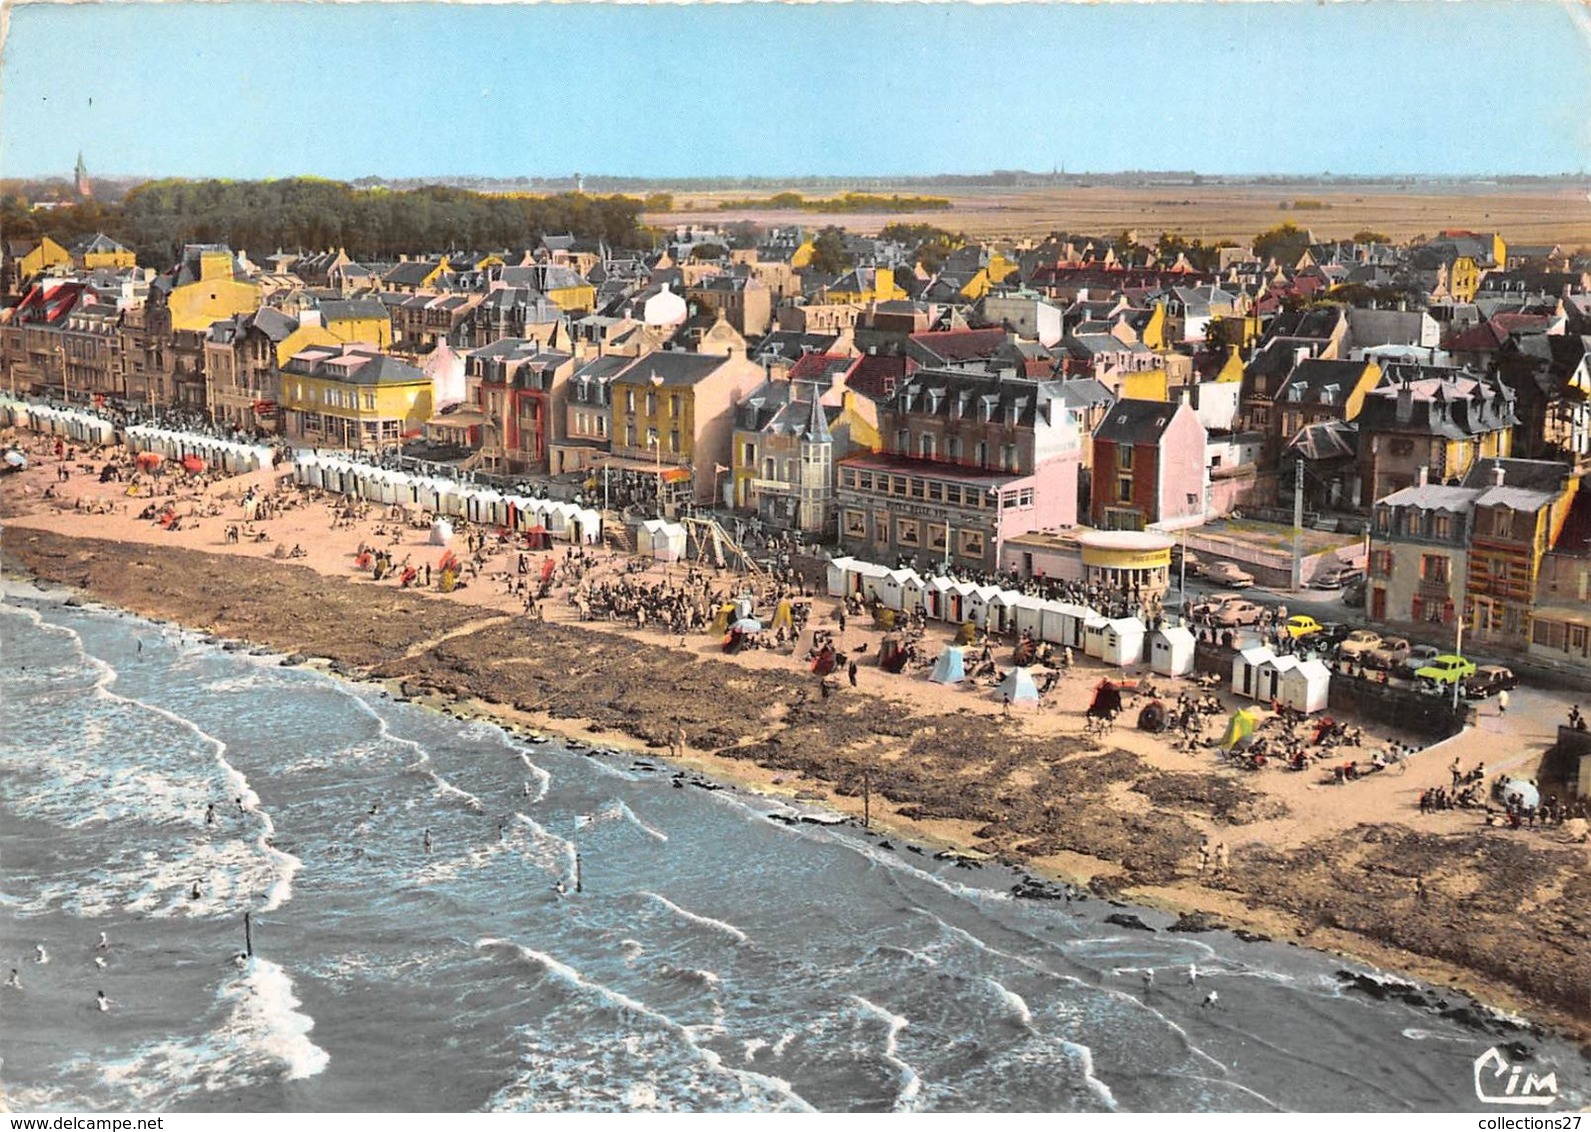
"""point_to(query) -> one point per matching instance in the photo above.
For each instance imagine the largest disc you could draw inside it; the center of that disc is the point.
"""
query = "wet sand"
(1502, 915)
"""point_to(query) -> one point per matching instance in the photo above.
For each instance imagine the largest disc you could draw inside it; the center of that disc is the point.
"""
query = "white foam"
(911, 1084)
(543, 779)
(755, 1088)
(728, 929)
(261, 1036)
(1016, 1002)
(1084, 1059)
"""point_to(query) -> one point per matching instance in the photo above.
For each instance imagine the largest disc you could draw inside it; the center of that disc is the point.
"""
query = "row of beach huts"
(1257, 672)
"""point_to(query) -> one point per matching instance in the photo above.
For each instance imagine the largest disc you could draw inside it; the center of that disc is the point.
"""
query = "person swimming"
(196, 892)
(14, 979)
(99, 961)
(241, 960)
(102, 1002)
(525, 790)
(1211, 999)
(560, 888)
(426, 841)
(1193, 973)
(39, 954)
(209, 814)
(104, 942)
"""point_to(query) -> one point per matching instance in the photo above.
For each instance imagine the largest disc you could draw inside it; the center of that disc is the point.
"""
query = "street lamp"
(655, 442)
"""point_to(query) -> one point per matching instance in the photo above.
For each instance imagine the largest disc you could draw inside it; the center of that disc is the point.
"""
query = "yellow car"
(1301, 626)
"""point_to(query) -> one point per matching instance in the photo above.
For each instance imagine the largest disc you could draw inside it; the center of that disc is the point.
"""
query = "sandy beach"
(1503, 915)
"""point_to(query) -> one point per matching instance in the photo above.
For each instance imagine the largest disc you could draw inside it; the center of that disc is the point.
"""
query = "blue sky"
(416, 89)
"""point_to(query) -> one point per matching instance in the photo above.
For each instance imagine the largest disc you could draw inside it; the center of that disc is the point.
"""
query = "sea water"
(584, 931)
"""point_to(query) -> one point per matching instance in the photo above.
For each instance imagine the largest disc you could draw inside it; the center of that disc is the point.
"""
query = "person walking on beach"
(1221, 859)
(677, 745)
(1005, 705)
(1149, 980)
(426, 840)
(850, 672)
(1204, 857)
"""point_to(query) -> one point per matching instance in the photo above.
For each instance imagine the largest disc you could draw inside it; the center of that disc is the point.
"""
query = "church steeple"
(85, 189)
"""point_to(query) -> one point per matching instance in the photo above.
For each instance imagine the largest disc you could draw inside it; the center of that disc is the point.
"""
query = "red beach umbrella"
(192, 463)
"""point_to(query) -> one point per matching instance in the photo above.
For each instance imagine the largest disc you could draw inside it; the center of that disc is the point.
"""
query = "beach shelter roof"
(949, 667)
(940, 583)
(1239, 730)
(1018, 685)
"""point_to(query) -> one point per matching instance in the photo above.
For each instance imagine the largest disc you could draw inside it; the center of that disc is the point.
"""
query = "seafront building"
(980, 408)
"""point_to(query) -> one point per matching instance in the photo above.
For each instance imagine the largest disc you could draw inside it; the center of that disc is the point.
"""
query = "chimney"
(1405, 404)
(1498, 473)
(1425, 475)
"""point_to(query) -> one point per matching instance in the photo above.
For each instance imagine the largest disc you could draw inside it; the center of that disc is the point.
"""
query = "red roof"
(876, 375)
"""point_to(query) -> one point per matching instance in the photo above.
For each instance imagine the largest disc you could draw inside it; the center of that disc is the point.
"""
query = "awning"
(464, 418)
(671, 473)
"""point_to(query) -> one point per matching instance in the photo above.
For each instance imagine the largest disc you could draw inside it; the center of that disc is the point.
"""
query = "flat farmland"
(1523, 214)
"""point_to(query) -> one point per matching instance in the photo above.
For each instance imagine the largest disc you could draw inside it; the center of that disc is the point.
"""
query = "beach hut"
(1171, 650)
(949, 667)
(979, 606)
(1124, 642)
(840, 576)
(1245, 670)
(873, 576)
(450, 498)
(892, 587)
(1073, 630)
(1018, 689)
(1002, 611)
(1094, 629)
(1239, 730)
(956, 603)
(661, 539)
(587, 526)
(1307, 686)
(1269, 675)
(935, 603)
(1026, 615)
(912, 592)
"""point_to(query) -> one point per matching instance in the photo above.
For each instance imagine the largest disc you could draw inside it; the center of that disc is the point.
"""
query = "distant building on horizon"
(80, 181)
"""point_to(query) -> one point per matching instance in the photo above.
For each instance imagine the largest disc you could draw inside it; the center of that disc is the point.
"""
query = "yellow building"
(357, 320)
(206, 290)
(1145, 385)
(99, 251)
(1463, 279)
(865, 285)
(45, 255)
(353, 396)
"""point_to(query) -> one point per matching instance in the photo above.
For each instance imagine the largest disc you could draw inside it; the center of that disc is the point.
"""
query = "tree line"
(157, 218)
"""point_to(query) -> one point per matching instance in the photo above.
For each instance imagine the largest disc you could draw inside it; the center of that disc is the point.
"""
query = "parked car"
(1419, 656)
(1336, 577)
(1229, 574)
(1332, 633)
(1388, 654)
(1353, 594)
(1212, 603)
(1488, 680)
(1301, 626)
(1239, 613)
(1447, 669)
(1186, 560)
(1358, 643)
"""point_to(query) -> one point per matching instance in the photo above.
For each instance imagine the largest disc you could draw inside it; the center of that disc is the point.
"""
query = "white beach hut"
(1094, 629)
(1306, 687)
(936, 602)
(1246, 670)
(1269, 677)
(1124, 641)
(1171, 650)
(661, 539)
(1027, 615)
(979, 606)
